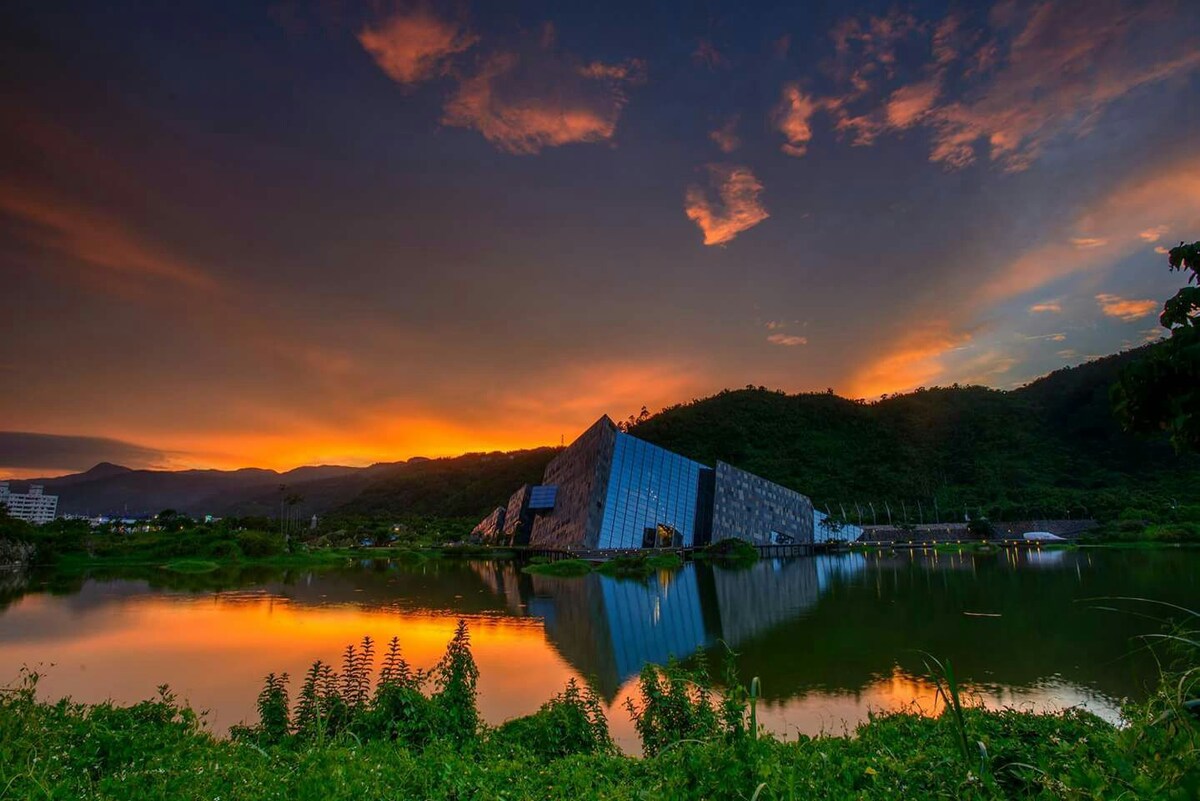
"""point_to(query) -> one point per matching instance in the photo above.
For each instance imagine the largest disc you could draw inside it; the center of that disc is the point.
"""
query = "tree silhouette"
(1162, 391)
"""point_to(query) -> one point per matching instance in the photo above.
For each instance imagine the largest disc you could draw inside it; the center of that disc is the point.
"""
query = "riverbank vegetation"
(563, 568)
(630, 566)
(385, 729)
(729, 552)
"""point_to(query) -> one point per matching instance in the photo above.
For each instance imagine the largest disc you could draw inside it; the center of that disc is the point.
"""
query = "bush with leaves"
(399, 710)
(455, 678)
(330, 702)
(677, 705)
(571, 722)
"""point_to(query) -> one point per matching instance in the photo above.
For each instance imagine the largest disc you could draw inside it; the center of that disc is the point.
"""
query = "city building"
(32, 506)
(611, 490)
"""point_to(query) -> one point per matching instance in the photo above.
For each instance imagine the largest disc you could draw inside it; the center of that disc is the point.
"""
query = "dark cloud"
(24, 450)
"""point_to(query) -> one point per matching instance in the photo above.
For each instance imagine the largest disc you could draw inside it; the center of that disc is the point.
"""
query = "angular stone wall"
(581, 475)
(491, 527)
(751, 508)
(517, 520)
(764, 595)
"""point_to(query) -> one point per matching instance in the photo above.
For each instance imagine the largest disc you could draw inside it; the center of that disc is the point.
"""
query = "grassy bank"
(356, 734)
(82, 562)
(316, 558)
(633, 566)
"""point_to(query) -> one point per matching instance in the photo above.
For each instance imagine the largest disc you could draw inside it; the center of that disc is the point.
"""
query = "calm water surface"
(832, 637)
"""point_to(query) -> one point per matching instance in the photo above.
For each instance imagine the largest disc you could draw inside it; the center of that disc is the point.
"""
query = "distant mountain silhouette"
(1048, 447)
(102, 470)
(113, 489)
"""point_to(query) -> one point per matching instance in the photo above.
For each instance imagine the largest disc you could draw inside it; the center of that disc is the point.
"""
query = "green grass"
(639, 565)
(157, 750)
(191, 566)
(408, 733)
(80, 562)
(565, 568)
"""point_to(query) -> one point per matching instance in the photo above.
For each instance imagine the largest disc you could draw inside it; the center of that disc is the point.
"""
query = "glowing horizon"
(501, 225)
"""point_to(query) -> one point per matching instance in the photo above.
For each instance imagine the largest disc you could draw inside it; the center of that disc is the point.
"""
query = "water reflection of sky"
(832, 637)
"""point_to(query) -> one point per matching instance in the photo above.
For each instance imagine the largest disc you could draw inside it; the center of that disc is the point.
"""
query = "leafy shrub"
(1173, 532)
(156, 749)
(731, 551)
(225, 549)
(1186, 513)
(639, 566)
(676, 705)
(455, 678)
(565, 568)
(398, 711)
(257, 544)
(572, 722)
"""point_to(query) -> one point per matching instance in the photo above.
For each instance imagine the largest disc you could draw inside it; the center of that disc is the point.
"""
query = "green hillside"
(1050, 449)
(464, 486)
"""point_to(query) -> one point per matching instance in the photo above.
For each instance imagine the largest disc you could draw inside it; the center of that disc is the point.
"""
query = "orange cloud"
(792, 116)
(737, 208)
(1063, 68)
(1153, 234)
(414, 46)
(1048, 70)
(909, 104)
(788, 340)
(1125, 309)
(1086, 242)
(915, 360)
(1046, 306)
(726, 137)
(632, 71)
(525, 102)
(96, 240)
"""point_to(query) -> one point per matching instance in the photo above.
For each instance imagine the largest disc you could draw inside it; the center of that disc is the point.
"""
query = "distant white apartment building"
(32, 507)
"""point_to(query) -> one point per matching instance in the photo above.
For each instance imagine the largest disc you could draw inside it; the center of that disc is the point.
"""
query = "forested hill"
(1039, 450)
(1047, 448)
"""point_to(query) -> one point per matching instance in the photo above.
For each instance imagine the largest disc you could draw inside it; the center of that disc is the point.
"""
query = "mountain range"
(1049, 448)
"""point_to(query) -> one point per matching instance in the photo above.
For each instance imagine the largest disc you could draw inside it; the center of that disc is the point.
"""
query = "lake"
(831, 637)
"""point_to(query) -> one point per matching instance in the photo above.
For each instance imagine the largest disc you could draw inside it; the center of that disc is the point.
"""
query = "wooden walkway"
(603, 555)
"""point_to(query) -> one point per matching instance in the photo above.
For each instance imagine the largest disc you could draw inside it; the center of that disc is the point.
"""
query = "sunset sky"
(274, 234)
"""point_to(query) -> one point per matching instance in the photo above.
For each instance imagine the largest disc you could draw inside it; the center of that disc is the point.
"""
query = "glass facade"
(653, 621)
(651, 499)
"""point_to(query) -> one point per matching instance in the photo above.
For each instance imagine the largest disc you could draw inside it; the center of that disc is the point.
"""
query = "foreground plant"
(344, 741)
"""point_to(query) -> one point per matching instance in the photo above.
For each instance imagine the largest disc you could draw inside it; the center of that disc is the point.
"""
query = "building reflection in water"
(831, 637)
(608, 628)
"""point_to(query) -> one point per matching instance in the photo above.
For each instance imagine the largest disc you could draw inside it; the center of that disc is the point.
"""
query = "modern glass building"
(610, 490)
(652, 499)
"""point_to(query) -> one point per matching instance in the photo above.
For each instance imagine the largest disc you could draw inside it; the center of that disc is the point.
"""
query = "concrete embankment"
(954, 532)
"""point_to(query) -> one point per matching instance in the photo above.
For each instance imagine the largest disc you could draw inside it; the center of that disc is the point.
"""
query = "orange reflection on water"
(215, 650)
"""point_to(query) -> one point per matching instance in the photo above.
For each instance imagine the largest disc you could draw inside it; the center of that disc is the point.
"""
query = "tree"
(632, 422)
(1161, 392)
(832, 527)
